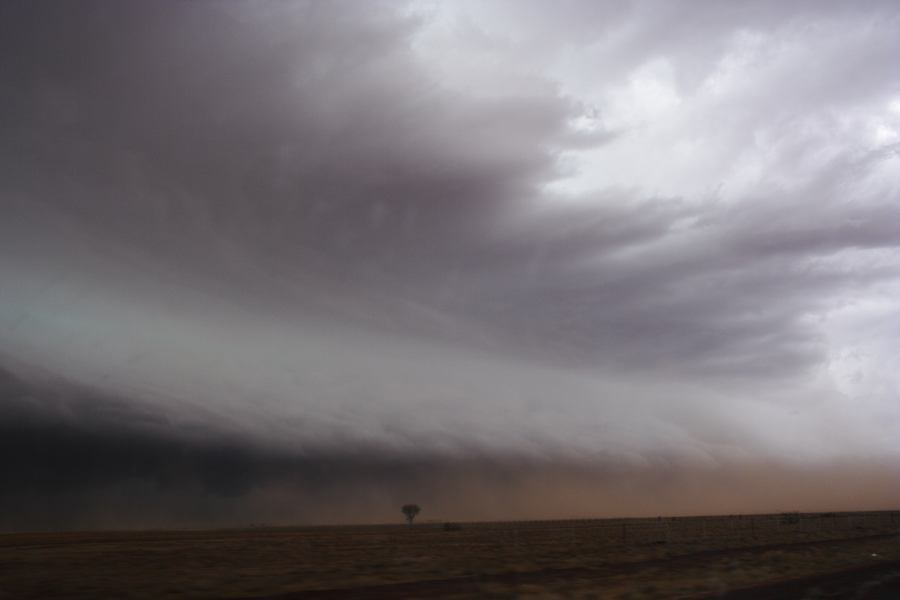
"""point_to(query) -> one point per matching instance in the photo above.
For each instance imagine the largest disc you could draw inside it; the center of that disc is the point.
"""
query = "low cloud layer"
(459, 239)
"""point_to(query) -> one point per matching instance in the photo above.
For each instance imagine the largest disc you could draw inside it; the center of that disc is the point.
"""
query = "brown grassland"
(826, 555)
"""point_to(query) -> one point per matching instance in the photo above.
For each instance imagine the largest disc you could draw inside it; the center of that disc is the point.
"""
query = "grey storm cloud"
(449, 238)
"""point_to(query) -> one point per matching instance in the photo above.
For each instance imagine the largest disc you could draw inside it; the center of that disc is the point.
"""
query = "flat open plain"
(760, 557)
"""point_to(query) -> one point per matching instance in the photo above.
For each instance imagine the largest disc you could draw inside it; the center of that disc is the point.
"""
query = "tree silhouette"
(410, 511)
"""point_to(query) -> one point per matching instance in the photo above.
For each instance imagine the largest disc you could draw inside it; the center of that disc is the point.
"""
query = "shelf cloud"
(301, 261)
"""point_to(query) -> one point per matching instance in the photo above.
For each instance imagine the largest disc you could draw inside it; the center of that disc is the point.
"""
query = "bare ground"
(740, 558)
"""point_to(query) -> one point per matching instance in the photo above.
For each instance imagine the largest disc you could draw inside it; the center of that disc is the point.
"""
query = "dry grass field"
(843, 555)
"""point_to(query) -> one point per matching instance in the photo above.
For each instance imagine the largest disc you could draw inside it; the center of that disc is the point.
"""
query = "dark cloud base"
(68, 465)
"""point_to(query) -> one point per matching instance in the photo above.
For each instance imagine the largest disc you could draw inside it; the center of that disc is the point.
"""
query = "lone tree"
(410, 511)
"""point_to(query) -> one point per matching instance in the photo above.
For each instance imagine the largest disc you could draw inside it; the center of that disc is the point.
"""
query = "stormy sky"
(296, 261)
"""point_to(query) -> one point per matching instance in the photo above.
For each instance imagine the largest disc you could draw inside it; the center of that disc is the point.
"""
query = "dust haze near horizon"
(307, 261)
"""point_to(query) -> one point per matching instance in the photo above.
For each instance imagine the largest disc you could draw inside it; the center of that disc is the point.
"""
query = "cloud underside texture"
(465, 252)
(73, 464)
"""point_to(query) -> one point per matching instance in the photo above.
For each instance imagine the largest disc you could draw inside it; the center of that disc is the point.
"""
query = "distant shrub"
(452, 527)
(410, 511)
(790, 518)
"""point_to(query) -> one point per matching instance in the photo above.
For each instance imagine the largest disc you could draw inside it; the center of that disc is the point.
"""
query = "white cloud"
(401, 227)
